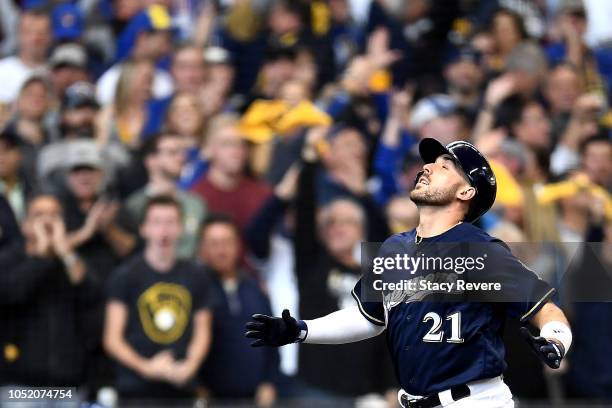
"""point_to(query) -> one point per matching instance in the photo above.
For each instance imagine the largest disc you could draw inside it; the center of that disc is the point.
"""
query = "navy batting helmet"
(475, 167)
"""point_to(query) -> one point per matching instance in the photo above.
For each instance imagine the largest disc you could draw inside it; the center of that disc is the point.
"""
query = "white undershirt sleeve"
(344, 326)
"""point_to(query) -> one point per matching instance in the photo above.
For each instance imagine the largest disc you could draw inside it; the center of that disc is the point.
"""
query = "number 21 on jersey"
(435, 335)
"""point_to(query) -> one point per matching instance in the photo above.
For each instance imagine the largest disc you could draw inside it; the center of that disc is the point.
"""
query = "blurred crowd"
(170, 167)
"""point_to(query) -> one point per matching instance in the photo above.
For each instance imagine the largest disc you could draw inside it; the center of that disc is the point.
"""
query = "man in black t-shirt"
(44, 287)
(158, 321)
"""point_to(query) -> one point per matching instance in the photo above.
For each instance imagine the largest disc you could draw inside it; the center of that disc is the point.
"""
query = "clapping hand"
(42, 239)
(59, 242)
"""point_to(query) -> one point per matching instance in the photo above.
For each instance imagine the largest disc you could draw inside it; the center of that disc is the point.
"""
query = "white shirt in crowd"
(14, 73)
(163, 85)
(599, 29)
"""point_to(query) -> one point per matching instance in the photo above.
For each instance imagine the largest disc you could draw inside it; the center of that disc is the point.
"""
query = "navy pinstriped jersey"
(437, 340)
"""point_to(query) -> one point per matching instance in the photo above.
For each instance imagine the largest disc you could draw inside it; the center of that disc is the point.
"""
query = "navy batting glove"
(275, 331)
(551, 352)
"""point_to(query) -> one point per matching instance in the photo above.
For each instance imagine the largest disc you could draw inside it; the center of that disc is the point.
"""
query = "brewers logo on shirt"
(164, 311)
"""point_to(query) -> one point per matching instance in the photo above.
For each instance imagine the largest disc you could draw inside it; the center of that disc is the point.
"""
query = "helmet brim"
(431, 149)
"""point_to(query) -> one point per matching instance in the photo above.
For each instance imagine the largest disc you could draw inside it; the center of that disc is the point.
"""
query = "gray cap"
(73, 55)
(430, 108)
(83, 153)
(527, 57)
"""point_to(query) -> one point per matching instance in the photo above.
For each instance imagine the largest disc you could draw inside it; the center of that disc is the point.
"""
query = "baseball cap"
(474, 166)
(527, 57)
(80, 95)
(67, 22)
(83, 153)
(152, 18)
(72, 55)
(466, 53)
(430, 108)
(217, 55)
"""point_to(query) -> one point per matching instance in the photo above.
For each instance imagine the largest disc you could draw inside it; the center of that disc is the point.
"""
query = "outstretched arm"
(343, 326)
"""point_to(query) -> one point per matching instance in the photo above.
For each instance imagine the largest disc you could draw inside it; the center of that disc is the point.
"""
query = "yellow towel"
(577, 184)
(264, 119)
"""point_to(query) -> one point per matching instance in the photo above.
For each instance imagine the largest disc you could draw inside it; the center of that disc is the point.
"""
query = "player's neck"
(434, 221)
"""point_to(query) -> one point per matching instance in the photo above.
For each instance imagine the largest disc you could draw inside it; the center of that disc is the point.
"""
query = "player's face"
(439, 183)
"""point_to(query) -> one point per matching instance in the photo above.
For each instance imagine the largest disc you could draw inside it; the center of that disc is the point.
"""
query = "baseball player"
(450, 352)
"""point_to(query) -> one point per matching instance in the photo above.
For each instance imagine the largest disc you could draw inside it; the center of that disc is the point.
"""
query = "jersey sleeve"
(370, 300)
(374, 312)
(522, 292)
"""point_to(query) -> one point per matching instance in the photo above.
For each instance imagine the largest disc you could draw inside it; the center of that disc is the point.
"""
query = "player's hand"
(273, 331)
(549, 351)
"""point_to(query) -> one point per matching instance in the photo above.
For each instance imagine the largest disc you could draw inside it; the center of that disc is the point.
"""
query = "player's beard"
(427, 195)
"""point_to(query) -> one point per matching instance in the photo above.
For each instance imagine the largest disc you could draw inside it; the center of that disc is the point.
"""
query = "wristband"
(303, 331)
(557, 331)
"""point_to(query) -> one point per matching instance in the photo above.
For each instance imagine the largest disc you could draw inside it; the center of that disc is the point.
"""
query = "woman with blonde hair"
(126, 119)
